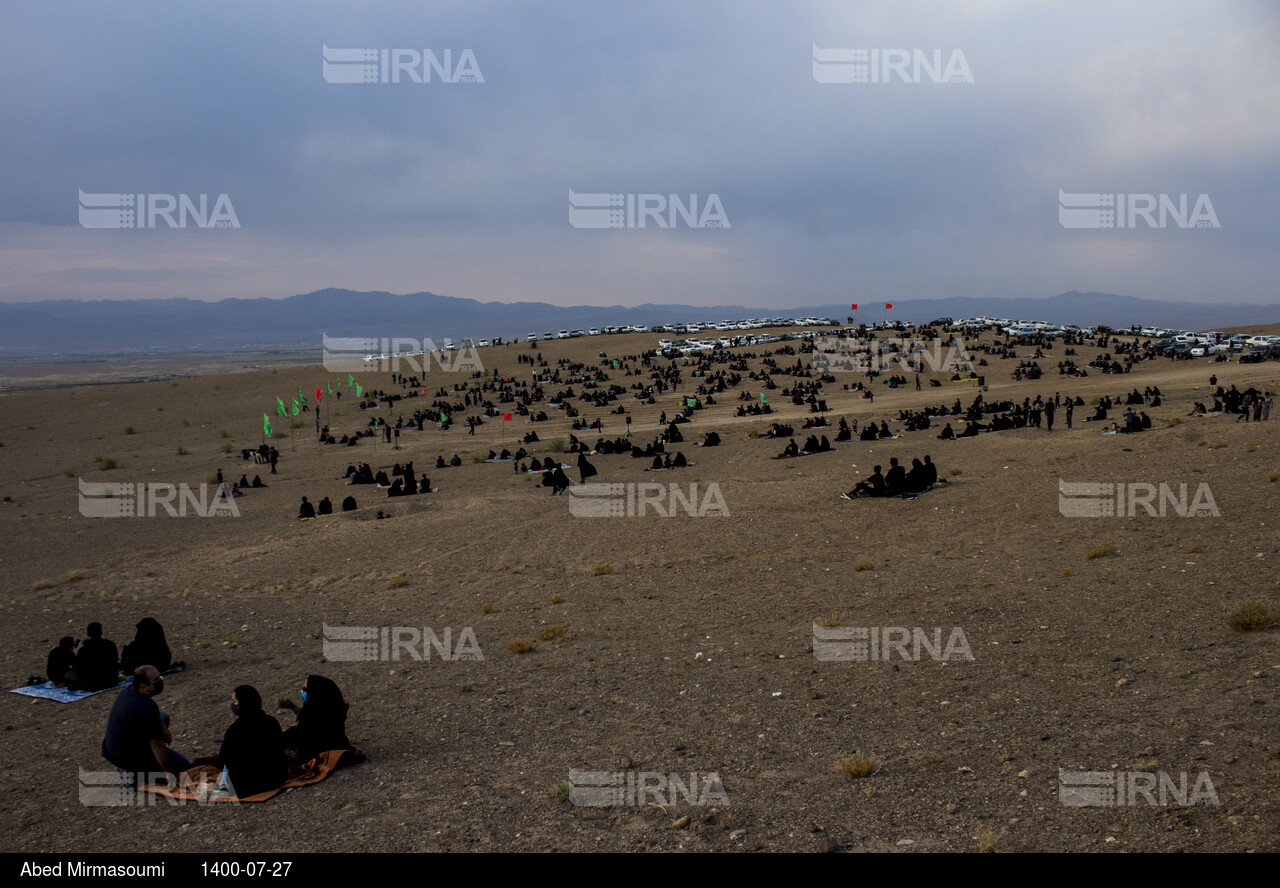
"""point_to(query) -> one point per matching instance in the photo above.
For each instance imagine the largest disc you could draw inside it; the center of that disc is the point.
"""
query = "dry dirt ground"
(695, 653)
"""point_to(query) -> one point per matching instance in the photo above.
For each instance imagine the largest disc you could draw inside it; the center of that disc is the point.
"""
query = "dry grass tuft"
(1253, 615)
(1099, 551)
(557, 635)
(856, 767)
(988, 839)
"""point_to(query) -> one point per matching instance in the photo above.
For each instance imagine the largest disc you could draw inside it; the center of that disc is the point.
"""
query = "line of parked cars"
(1213, 342)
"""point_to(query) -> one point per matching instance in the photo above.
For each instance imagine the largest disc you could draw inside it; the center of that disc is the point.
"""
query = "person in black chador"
(252, 750)
(322, 721)
(148, 648)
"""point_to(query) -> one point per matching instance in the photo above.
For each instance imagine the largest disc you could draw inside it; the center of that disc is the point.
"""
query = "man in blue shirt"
(136, 735)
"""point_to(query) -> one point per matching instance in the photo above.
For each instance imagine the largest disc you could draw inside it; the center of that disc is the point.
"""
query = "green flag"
(351, 380)
(331, 388)
(295, 408)
(690, 402)
(359, 390)
(301, 397)
(280, 407)
(266, 426)
(763, 399)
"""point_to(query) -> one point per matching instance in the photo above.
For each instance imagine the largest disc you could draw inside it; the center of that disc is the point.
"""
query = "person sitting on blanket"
(896, 478)
(62, 660)
(792, 449)
(679, 462)
(306, 510)
(873, 486)
(252, 750)
(948, 433)
(137, 731)
(148, 647)
(930, 472)
(916, 480)
(97, 664)
(322, 721)
(811, 444)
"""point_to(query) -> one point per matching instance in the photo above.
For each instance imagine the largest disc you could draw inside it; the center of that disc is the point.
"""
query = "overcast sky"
(830, 191)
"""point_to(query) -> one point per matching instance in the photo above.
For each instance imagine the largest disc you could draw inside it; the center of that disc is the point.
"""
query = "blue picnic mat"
(47, 691)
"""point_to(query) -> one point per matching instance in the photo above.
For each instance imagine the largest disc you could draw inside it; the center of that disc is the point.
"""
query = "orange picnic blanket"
(305, 774)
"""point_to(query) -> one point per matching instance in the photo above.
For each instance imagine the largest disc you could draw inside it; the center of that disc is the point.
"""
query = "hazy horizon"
(812, 188)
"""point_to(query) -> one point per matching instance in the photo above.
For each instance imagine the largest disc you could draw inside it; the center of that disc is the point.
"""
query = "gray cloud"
(871, 190)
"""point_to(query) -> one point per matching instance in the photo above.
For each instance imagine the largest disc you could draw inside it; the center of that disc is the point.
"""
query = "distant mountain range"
(72, 327)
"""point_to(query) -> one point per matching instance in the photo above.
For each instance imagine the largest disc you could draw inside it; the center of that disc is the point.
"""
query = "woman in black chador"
(148, 648)
(322, 721)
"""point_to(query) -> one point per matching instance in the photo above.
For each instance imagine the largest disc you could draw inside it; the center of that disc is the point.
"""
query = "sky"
(822, 175)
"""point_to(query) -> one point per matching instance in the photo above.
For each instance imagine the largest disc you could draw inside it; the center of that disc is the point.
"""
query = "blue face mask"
(303, 693)
(235, 709)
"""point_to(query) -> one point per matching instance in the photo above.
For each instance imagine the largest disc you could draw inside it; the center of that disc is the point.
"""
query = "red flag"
(888, 305)
(506, 417)
(317, 394)
(424, 393)
(854, 306)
